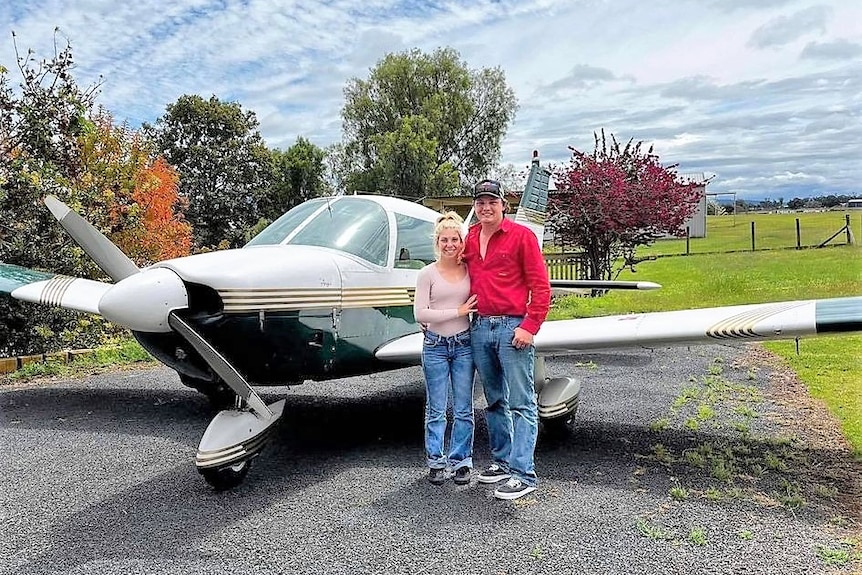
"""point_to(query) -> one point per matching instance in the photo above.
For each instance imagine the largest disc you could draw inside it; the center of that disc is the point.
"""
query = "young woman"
(442, 305)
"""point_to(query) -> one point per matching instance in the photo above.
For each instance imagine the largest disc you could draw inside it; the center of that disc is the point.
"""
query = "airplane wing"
(78, 294)
(754, 322)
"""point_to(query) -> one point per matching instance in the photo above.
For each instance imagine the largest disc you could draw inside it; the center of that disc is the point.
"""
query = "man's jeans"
(507, 377)
(448, 365)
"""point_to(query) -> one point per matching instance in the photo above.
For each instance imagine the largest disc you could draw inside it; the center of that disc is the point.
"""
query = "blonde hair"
(448, 221)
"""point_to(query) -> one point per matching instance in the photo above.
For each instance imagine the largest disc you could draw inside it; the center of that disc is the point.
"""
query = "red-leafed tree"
(615, 199)
(165, 233)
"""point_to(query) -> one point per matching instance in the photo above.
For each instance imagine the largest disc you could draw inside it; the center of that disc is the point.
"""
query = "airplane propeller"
(151, 300)
(104, 252)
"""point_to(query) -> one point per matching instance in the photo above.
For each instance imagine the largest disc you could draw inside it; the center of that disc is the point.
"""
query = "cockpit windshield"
(353, 225)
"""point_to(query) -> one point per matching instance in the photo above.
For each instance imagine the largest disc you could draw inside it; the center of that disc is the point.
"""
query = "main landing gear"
(558, 400)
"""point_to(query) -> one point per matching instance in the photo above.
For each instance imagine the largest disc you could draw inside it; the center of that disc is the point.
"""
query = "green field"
(831, 367)
(771, 231)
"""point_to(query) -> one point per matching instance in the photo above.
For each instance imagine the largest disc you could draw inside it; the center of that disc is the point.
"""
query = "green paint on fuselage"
(289, 347)
(838, 315)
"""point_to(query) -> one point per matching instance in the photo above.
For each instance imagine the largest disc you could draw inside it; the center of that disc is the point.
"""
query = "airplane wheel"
(218, 393)
(558, 427)
(223, 478)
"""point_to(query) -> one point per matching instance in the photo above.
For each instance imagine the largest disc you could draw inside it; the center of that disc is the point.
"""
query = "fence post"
(798, 235)
(752, 236)
(687, 240)
(847, 227)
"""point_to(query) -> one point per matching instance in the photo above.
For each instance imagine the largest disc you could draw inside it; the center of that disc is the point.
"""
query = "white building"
(697, 223)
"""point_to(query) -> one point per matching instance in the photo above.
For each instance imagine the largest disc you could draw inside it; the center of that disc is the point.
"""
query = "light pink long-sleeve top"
(437, 300)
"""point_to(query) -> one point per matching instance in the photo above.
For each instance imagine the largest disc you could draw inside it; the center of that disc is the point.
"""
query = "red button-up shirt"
(512, 279)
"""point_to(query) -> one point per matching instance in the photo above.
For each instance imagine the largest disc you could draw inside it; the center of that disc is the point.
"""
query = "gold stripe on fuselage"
(295, 299)
(741, 326)
(55, 289)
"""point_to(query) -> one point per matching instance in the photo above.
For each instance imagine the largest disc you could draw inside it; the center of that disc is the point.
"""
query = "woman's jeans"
(448, 365)
(507, 378)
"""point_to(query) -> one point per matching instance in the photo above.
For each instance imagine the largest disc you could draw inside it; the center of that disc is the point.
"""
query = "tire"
(224, 478)
(558, 427)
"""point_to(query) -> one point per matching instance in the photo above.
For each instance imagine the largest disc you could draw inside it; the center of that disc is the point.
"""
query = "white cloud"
(751, 91)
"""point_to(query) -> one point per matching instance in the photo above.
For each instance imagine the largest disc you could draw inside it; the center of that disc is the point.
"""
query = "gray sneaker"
(493, 474)
(437, 476)
(513, 489)
(462, 476)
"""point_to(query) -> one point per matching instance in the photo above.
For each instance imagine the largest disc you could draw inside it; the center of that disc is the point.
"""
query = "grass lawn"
(831, 367)
(771, 231)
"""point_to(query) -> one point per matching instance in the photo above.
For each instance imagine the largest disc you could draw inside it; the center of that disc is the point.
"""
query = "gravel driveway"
(685, 460)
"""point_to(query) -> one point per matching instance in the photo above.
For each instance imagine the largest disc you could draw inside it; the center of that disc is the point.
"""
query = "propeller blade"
(106, 255)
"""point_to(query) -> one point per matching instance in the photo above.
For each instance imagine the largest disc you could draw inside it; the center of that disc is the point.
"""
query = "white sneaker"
(493, 474)
(513, 489)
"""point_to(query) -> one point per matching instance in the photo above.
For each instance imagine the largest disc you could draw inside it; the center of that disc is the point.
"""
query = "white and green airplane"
(326, 291)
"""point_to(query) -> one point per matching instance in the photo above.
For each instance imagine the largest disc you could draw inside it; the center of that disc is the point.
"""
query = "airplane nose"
(143, 301)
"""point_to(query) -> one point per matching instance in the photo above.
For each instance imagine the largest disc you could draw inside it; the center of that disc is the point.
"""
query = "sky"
(763, 96)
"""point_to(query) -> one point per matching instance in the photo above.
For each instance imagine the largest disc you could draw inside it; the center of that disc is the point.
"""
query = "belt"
(454, 337)
(498, 317)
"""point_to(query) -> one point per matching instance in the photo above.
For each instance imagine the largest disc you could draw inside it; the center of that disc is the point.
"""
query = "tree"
(419, 122)
(129, 193)
(297, 176)
(41, 124)
(615, 199)
(222, 162)
(163, 232)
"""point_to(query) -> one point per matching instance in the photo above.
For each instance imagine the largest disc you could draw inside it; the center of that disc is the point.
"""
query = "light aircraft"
(326, 291)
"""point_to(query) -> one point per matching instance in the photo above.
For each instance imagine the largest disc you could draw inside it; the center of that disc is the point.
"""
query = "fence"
(566, 266)
(755, 232)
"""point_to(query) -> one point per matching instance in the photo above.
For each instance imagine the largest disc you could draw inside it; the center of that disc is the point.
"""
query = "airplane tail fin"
(533, 206)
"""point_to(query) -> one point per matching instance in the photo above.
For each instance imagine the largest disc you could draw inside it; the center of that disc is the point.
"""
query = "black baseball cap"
(488, 188)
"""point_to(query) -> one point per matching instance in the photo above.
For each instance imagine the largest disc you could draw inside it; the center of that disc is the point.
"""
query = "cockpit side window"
(353, 225)
(277, 231)
(414, 242)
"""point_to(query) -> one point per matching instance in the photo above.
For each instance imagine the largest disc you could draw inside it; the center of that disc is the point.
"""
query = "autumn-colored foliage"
(129, 194)
(165, 234)
(615, 199)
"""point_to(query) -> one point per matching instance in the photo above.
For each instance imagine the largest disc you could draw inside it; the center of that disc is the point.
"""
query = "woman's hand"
(468, 306)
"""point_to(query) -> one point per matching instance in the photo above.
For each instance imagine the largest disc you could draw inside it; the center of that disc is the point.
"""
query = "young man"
(510, 280)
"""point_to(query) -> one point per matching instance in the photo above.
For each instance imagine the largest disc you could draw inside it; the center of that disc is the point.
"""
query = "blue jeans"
(507, 378)
(448, 365)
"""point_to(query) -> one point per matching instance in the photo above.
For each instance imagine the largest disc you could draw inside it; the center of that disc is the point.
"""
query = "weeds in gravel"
(825, 491)
(697, 535)
(659, 424)
(746, 534)
(755, 470)
(661, 454)
(713, 494)
(648, 529)
(537, 553)
(790, 495)
(678, 492)
(839, 555)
